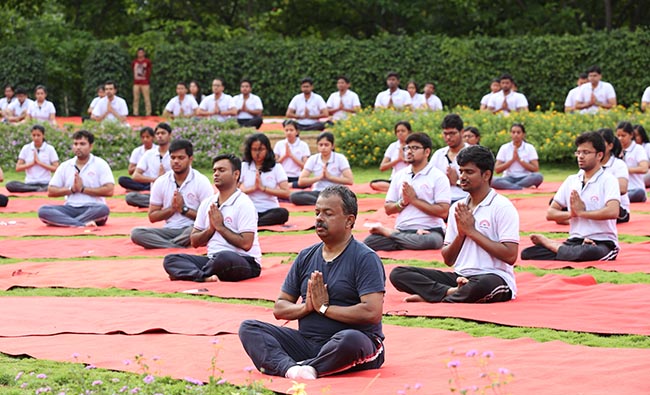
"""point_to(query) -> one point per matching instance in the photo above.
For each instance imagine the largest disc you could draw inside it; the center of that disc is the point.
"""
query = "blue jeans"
(517, 183)
(637, 195)
(67, 215)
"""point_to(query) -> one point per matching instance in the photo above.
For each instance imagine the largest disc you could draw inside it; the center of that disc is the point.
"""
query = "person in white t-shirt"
(518, 161)
(614, 165)
(592, 201)
(227, 224)
(495, 86)
(41, 110)
(249, 106)
(445, 158)
(645, 99)
(308, 107)
(394, 156)
(182, 105)
(433, 102)
(596, 94)
(195, 91)
(636, 159)
(417, 99)
(175, 199)
(10, 96)
(393, 97)
(100, 95)
(572, 97)
(641, 138)
(507, 99)
(147, 136)
(218, 105)
(264, 181)
(291, 153)
(16, 112)
(481, 243)
(420, 195)
(85, 181)
(38, 160)
(471, 135)
(343, 102)
(321, 170)
(111, 107)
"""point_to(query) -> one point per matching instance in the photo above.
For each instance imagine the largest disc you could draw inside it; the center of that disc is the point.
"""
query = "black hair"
(10, 87)
(182, 83)
(519, 125)
(84, 134)
(495, 80)
(198, 94)
(223, 83)
(344, 78)
(583, 76)
(181, 144)
(40, 87)
(430, 83)
(20, 91)
(421, 138)
(147, 130)
(100, 87)
(480, 156)
(246, 80)
(452, 121)
(473, 130)
(594, 138)
(327, 136)
(640, 130)
(140, 49)
(406, 124)
(291, 122)
(608, 135)
(164, 126)
(307, 80)
(235, 162)
(594, 69)
(414, 83)
(392, 74)
(269, 158)
(506, 76)
(40, 128)
(110, 82)
(626, 127)
(348, 198)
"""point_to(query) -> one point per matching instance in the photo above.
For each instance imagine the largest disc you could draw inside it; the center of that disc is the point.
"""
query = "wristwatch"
(184, 210)
(323, 308)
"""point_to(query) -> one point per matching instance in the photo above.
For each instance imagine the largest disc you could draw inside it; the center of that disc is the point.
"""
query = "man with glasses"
(445, 158)
(592, 199)
(420, 195)
(218, 105)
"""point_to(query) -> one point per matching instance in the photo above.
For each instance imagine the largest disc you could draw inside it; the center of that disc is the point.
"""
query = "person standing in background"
(141, 67)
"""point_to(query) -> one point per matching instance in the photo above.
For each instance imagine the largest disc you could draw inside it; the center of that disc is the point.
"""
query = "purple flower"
(135, 390)
(471, 353)
(417, 386)
(249, 369)
(41, 376)
(504, 371)
(488, 354)
(125, 388)
(75, 355)
(127, 362)
(155, 358)
(23, 385)
(19, 375)
(222, 381)
(215, 341)
(453, 364)
(91, 366)
(43, 390)
(148, 379)
(97, 382)
(193, 381)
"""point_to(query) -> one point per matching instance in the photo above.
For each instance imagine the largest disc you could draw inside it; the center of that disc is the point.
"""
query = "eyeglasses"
(583, 153)
(411, 148)
(449, 134)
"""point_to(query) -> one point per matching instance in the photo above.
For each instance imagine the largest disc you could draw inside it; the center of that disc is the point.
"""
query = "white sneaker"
(304, 372)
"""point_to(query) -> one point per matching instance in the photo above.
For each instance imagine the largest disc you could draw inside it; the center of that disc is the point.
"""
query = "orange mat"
(18, 227)
(117, 205)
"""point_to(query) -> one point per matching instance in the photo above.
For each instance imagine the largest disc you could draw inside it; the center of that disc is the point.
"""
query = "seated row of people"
(17, 107)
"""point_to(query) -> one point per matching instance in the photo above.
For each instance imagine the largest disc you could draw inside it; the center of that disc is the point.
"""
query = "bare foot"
(545, 242)
(414, 298)
(212, 279)
(91, 224)
(381, 230)
(452, 290)
(461, 281)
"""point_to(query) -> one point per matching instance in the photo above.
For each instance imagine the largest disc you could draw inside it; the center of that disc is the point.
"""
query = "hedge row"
(545, 67)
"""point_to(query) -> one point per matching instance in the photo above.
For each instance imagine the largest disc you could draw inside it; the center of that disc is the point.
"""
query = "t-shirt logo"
(484, 224)
(91, 173)
(595, 199)
(426, 188)
(227, 220)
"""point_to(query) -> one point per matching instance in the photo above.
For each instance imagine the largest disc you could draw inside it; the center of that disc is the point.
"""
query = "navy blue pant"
(227, 265)
(275, 349)
(127, 183)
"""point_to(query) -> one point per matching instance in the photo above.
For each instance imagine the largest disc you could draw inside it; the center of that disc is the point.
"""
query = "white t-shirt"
(335, 166)
(498, 220)
(392, 153)
(175, 106)
(527, 153)
(150, 163)
(271, 179)
(603, 92)
(646, 147)
(400, 98)
(618, 169)
(17, 109)
(441, 161)
(633, 155)
(195, 189)
(118, 105)
(252, 103)
(224, 102)
(93, 103)
(94, 174)
(572, 97)
(4, 103)
(418, 101)
(601, 188)
(514, 99)
(644, 99)
(315, 104)
(139, 152)
(485, 100)
(350, 101)
(41, 112)
(299, 148)
(239, 215)
(46, 154)
(430, 185)
(433, 103)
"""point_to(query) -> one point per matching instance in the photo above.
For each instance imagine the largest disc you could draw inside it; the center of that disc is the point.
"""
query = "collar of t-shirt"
(610, 162)
(91, 160)
(593, 179)
(424, 172)
(188, 179)
(629, 149)
(38, 150)
(231, 200)
(487, 200)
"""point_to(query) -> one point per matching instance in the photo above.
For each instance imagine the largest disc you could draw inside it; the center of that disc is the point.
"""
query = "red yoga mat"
(116, 204)
(18, 227)
(414, 356)
(365, 204)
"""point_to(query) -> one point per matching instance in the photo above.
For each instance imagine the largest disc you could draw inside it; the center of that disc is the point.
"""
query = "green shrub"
(22, 65)
(107, 61)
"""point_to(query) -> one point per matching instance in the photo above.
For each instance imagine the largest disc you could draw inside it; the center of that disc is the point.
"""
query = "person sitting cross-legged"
(481, 243)
(147, 136)
(38, 160)
(518, 161)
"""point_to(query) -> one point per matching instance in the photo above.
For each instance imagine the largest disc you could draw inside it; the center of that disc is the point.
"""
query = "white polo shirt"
(644, 99)
(239, 215)
(392, 153)
(497, 219)
(195, 189)
(350, 101)
(400, 98)
(434, 103)
(118, 105)
(93, 103)
(150, 163)
(601, 188)
(572, 97)
(646, 147)
(224, 102)
(430, 185)
(315, 104)
(418, 101)
(94, 174)
(633, 155)
(526, 152)
(618, 169)
(187, 107)
(4, 103)
(46, 154)
(441, 161)
(485, 100)
(17, 109)
(271, 179)
(299, 148)
(514, 99)
(335, 166)
(139, 152)
(42, 111)
(252, 103)
(603, 92)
